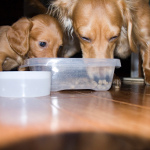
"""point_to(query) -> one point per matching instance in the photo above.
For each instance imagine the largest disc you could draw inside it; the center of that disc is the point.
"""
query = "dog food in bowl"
(76, 73)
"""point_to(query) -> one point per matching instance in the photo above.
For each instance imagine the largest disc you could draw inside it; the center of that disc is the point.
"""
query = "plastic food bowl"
(25, 83)
(76, 73)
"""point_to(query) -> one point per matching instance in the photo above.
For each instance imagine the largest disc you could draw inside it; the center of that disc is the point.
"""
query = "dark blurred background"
(10, 11)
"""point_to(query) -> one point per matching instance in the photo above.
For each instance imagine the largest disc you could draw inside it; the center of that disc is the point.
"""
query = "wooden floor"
(118, 119)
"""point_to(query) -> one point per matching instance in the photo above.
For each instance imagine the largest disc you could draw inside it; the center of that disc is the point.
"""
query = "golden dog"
(40, 36)
(108, 27)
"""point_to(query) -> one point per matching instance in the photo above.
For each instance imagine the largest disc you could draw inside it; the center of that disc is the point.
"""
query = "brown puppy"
(40, 36)
(108, 27)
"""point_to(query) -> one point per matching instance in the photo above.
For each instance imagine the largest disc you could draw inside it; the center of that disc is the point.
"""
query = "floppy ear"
(18, 36)
(127, 9)
(62, 10)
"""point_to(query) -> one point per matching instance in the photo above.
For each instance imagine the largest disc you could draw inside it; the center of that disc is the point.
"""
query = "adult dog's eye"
(42, 44)
(113, 38)
(86, 39)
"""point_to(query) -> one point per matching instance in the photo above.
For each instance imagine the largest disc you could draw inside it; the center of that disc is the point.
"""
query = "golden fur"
(108, 27)
(24, 39)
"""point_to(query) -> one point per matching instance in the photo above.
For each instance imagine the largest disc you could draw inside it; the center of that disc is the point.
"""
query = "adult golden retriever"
(108, 27)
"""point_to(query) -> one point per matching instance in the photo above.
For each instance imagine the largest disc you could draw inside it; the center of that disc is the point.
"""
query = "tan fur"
(108, 27)
(21, 40)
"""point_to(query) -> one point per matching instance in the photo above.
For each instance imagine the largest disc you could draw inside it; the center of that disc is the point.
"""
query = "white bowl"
(25, 83)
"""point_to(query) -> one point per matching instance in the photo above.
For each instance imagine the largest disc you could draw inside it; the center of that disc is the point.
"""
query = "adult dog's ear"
(63, 9)
(18, 36)
(127, 10)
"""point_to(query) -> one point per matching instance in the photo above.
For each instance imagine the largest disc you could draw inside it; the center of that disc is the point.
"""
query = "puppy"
(40, 36)
(108, 27)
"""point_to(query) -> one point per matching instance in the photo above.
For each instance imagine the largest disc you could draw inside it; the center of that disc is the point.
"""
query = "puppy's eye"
(86, 39)
(113, 38)
(61, 46)
(59, 52)
(42, 44)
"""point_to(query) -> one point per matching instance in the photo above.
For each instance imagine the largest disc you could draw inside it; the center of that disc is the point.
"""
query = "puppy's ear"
(62, 10)
(127, 9)
(18, 36)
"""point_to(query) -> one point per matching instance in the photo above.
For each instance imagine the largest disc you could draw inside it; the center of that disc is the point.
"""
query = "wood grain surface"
(118, 119)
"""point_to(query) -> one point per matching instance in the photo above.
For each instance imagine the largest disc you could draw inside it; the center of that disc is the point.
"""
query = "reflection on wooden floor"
(118, 119)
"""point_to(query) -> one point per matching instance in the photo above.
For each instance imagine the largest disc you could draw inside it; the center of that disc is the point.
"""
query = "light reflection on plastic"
(23, 115)
(51, 62)
(55, 69)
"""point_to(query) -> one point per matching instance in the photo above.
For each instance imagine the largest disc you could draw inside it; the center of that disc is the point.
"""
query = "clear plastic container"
(25, 83)
(76, 73)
